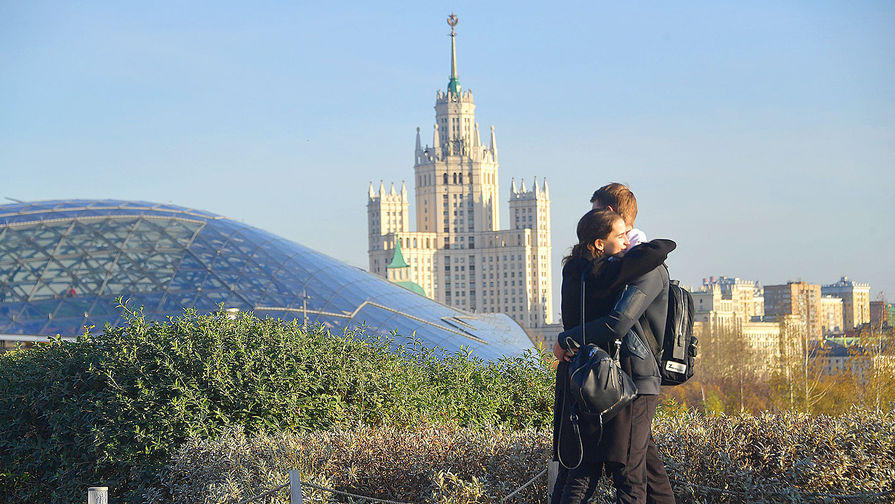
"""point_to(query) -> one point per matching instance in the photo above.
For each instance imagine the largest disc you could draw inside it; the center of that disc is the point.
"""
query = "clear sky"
(758, 135)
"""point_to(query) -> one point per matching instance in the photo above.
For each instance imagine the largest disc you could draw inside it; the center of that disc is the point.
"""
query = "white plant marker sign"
(98, 495)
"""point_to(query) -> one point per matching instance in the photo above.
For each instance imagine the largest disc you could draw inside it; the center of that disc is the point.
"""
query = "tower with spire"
(458, 255)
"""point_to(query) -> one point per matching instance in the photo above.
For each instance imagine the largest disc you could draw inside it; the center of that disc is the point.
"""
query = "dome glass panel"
(64, 263)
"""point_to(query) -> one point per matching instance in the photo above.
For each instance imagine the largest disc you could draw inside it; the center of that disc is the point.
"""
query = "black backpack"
(679, 344)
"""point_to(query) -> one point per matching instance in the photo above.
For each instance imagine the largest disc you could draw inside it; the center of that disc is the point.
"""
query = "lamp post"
(304, 307)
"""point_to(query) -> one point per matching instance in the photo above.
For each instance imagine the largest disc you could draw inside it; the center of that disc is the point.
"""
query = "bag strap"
(574, 419)
(583, 332)
(618, 342)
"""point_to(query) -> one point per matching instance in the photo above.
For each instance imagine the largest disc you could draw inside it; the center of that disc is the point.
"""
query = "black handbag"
(599, 387)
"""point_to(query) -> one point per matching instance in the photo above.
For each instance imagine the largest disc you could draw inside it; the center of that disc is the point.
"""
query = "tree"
(874, 366)
(727, 373)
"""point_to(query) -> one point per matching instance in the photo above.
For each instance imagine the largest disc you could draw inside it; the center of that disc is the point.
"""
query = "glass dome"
(64, 263)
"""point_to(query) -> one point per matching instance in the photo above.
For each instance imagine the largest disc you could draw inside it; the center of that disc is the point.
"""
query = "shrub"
(444, 464)
(146, 408)
(769, 458)
(783, 457)
(110, 408)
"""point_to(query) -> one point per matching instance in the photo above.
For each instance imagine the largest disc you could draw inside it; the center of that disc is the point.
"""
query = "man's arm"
(636, 262)
(632, 303)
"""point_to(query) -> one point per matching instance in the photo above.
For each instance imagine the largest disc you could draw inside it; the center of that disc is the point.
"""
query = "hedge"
(112, 407)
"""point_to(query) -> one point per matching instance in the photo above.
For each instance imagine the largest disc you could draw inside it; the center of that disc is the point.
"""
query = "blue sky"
(759, 135)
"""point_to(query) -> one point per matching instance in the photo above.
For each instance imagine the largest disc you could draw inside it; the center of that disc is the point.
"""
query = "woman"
(598, 256)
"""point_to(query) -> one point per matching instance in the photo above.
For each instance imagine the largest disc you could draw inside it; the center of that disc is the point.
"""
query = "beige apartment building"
(458, 255)
(831, 314)
(723, 294)
(796, 299)
(855, 301)
(736, 305)
(710, 306)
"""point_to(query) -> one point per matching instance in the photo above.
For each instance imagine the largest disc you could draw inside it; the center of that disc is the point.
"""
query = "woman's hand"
(561, 353)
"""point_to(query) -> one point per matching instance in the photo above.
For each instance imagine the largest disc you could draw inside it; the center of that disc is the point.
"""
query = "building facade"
(736, 306)
(745, 298)
(831, 315)
(458, 255)
(710, 306)
(855, 300)
(882, 314)
(796, 299)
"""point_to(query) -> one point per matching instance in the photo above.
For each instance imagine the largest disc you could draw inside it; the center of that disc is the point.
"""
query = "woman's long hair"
(594, 224)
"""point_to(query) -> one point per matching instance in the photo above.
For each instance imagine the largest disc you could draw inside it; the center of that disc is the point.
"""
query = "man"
(638, 320)
(619, 198)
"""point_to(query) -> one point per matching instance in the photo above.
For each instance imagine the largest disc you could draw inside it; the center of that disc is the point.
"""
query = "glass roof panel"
(60, 260)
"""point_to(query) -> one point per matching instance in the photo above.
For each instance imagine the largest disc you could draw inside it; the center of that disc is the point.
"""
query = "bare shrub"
(443, 464)
(786, 457)
(789, 457)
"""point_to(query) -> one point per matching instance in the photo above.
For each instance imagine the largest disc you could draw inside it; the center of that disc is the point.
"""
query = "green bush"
(789, 457)
(110, 408)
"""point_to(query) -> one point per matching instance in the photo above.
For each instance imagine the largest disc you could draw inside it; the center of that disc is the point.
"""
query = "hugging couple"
(625, 299)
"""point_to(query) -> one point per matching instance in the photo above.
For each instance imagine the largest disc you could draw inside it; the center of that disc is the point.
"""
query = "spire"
(493, 147)
(454, 83)
(392, 191)
(546, 190)
(372, 194)
(522, 186)
(436, 142)
(535, 187)
(403, 190)
(476, 141)
(418, 153)
(513, 186)
(381, 189)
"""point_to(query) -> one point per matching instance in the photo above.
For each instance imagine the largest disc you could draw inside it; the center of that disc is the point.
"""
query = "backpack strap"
(648, 336)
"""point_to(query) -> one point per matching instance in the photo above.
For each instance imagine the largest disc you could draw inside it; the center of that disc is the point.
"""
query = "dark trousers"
(642, 480)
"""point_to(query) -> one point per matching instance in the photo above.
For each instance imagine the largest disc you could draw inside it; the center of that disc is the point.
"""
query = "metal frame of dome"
(63, 264)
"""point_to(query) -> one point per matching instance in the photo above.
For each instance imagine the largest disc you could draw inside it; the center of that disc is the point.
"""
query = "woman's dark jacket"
(604, 282)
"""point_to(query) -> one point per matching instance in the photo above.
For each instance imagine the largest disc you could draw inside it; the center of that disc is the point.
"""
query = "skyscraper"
(458, 254)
